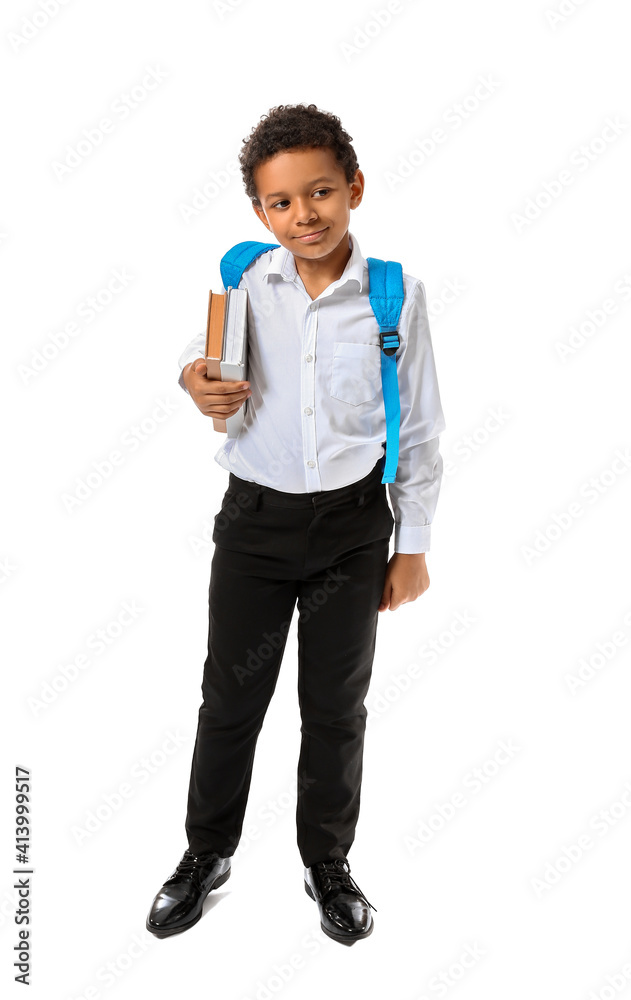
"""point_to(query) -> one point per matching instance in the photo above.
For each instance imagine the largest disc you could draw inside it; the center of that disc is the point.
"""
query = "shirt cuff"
(412, 538)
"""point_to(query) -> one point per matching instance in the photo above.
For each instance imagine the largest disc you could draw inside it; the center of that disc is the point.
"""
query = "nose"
(305, 212)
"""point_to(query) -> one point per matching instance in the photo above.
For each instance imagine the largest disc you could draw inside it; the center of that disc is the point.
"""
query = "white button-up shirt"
(316, 417)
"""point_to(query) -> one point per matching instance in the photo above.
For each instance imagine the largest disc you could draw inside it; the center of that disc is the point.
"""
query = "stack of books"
(227, 346)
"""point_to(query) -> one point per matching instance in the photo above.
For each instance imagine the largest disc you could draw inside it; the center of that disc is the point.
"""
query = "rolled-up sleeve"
(414, 494)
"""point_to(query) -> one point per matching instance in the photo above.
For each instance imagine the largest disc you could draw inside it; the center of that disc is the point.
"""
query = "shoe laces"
(191, 867)
(338, 873)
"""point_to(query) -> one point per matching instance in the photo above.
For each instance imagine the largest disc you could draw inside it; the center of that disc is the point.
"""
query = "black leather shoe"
(345, 913)
(178, 905)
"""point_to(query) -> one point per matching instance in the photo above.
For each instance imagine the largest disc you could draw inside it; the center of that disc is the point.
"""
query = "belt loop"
(360, 498)
(257, 496)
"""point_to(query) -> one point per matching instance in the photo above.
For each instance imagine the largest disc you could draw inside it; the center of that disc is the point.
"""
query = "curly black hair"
(291, 126)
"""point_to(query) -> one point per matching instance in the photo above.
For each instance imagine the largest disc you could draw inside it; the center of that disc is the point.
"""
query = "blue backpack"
(386, 293)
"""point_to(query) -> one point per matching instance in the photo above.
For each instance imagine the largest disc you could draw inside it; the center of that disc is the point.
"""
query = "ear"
(261, 215)
(357, 188)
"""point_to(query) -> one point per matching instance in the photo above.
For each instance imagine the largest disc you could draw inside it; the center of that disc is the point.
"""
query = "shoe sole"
(342, 938)
(167, 931)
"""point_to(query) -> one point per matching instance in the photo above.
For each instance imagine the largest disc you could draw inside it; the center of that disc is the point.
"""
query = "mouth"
(310, 237)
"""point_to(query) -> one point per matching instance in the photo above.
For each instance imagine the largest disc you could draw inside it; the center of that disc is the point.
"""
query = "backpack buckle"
(390, 342)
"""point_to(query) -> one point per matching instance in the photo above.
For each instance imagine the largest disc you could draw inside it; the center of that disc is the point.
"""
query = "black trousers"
(327, 552)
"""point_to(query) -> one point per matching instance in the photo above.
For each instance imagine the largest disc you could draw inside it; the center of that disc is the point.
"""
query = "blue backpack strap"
(386, 294)
(240, 256)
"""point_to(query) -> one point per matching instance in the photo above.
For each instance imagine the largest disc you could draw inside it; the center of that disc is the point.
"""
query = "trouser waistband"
(265, 495)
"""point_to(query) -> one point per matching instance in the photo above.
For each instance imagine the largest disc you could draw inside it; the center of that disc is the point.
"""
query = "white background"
(494, 877)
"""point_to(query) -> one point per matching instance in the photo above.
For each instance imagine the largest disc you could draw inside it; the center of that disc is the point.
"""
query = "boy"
(305, 517)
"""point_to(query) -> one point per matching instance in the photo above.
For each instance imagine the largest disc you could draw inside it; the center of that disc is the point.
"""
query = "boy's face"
(303, 191)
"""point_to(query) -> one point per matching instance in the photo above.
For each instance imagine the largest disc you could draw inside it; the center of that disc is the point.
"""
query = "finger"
(216, 392)
(223, 408)
(226, 388)
(224, 413)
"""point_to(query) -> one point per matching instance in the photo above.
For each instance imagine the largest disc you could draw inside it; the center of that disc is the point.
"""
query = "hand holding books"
(214, 398)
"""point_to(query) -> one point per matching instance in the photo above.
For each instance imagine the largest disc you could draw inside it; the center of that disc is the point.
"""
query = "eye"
(284, 201)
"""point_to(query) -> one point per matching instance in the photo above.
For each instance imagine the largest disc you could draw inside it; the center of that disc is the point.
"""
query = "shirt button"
(308, 409)
(311, 463)
(308, 357)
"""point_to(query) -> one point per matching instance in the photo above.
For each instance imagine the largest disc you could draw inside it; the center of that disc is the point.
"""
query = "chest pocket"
(356, 372)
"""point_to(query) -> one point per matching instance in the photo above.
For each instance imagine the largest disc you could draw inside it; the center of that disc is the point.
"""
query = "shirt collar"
(282, 262)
